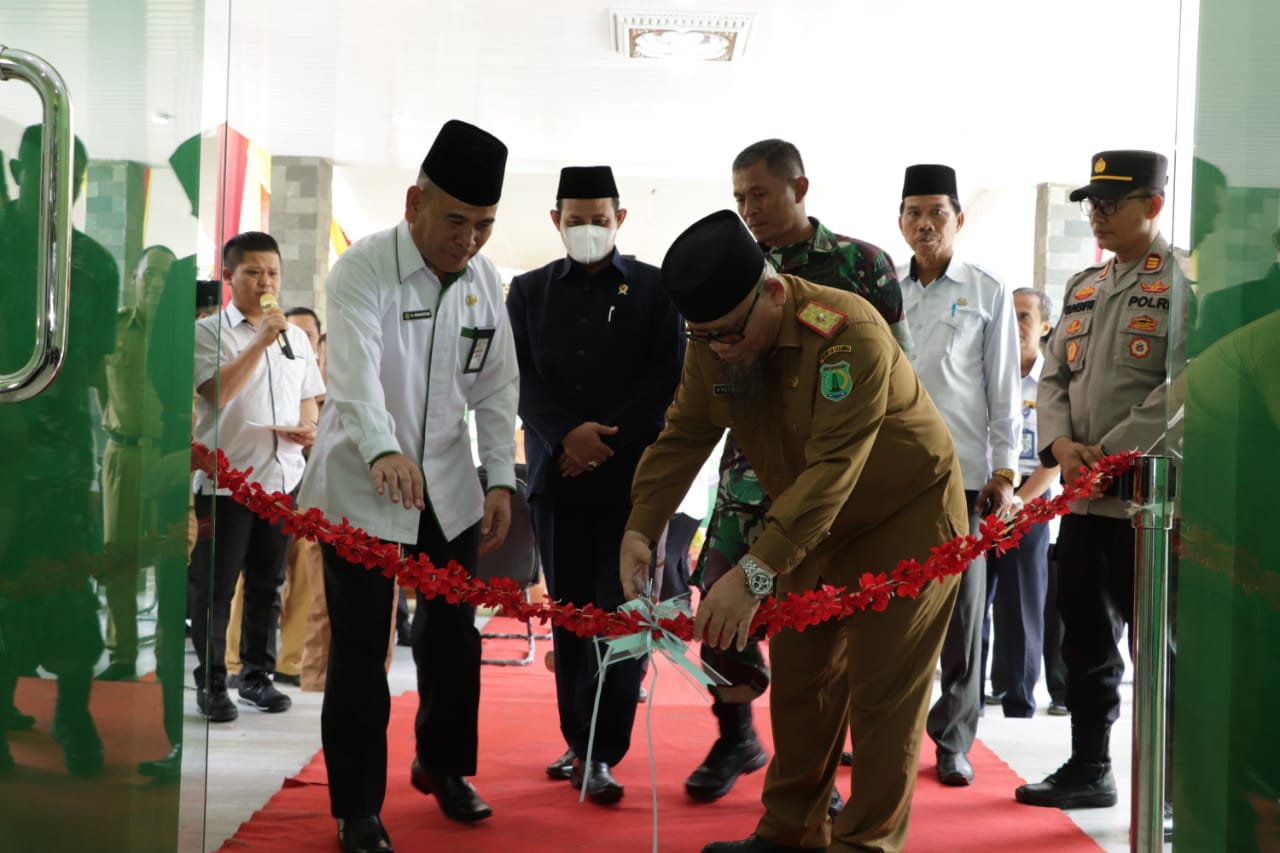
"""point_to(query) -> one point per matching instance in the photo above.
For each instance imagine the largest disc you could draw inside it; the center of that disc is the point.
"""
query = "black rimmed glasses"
(726, 337)
(1106, 206)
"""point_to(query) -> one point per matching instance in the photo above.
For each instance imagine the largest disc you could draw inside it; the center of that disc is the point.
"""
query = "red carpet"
(43, 807)
(533, 814)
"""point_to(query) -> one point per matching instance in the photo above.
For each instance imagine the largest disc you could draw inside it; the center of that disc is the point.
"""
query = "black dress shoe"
(562, 767)
(756, 844)
(954, 769)
(363, 835)
(1075, 785)
(837, 803)
(602, 788)
(285, 678)
(456, 796)
(846, 758)
(164, 770)
(11, 719)
(82, 752)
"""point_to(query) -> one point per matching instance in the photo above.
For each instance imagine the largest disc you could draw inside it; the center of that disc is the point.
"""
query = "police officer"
(418, 334)
(861, 472)
(770, 188)
(1102, 390)
(600, 347)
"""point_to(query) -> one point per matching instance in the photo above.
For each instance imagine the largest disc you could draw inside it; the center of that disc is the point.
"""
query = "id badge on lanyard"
(479, 353)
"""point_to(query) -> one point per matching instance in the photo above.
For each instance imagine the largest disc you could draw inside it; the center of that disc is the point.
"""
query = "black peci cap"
(1118, 173)
(711, 267)
(586, 182)
(929, 179)
(468, 163)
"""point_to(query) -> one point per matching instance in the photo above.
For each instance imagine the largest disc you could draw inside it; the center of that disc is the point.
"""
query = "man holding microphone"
(257, 379)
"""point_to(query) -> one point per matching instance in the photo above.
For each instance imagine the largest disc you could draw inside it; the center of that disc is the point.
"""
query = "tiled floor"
(249, 758)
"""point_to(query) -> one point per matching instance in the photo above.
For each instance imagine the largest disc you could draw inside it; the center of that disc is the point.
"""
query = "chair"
(517, 559)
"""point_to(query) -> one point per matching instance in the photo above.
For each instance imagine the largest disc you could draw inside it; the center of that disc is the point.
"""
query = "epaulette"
(822, 319)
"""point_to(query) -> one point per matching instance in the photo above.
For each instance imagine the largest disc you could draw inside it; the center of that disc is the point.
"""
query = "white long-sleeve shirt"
(965, 352)
(407, 358)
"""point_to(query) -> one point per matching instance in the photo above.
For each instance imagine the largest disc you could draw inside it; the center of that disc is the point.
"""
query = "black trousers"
(578, 544)
(675, 575)
(357, 701)
(1055, 670)
(241, 542)
(953, 719)
(1016, 584)
(1095, 601)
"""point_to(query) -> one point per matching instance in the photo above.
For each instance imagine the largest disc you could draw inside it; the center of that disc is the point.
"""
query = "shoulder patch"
(1153, 262)
(834, 381)
(822, 319)
(834, 350)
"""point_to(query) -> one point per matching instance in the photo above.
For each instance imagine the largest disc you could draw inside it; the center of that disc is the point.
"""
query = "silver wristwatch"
(759, 579)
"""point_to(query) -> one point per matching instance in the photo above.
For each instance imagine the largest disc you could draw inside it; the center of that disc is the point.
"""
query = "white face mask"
(587, 244)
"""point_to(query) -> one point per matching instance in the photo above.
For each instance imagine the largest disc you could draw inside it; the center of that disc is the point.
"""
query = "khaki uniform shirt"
(848, 440)
(1108, 360)
(133, 411)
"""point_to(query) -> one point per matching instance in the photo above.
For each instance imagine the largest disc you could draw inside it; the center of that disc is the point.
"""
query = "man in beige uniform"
(131, 420)
(862, 473)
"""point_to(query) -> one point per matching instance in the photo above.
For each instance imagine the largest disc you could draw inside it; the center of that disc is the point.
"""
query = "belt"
(132, 440)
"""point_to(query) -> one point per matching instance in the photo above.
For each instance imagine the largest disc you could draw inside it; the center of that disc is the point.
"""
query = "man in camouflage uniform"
(769, 186)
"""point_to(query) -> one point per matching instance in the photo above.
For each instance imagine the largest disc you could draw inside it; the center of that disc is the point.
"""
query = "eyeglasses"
(1106, 206)
(726, 337)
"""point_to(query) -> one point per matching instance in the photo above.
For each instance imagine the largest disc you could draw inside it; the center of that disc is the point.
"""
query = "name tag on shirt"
(480, 340)
(424, 314)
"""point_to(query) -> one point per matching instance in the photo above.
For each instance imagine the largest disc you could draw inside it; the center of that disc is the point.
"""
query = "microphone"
(268, 302)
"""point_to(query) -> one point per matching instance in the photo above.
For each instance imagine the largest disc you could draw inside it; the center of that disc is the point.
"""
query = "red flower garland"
(797, 611)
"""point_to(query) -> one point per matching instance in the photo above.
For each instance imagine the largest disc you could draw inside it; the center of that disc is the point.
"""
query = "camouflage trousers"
(737, 520)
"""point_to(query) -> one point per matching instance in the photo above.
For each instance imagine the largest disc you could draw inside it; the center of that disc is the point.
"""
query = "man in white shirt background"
(418, 335)
(1017, 580)
(257, 381)
(966, 355)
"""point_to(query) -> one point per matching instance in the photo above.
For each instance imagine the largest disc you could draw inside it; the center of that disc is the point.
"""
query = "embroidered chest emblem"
(1144, 323)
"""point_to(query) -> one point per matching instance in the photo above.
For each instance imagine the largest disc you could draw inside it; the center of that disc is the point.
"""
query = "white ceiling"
(1010, 90)
(1013, 93)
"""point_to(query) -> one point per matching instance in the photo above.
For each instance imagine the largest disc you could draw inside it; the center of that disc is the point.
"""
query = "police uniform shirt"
(606, 347)
(133, 415)
(965, 351)
(1122, 326)
(848, 441)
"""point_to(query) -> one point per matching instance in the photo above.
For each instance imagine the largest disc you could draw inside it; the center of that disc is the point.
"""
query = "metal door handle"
(53, 235)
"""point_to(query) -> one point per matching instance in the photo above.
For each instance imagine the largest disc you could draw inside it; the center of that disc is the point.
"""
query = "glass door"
(101, 121)
(1226, 758)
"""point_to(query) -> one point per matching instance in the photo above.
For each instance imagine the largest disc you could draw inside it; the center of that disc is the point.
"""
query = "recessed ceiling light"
(699, 36)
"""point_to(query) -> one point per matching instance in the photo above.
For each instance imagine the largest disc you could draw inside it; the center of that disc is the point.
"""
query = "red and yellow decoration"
(1139, 347)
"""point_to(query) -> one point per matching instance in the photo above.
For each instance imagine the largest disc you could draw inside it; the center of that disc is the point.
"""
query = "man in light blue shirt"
(966, 355)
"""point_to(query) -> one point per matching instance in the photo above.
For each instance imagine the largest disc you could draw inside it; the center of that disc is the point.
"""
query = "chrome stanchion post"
(1152, 521)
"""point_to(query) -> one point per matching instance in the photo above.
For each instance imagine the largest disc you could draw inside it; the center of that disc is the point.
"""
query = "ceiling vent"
(698, 36)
